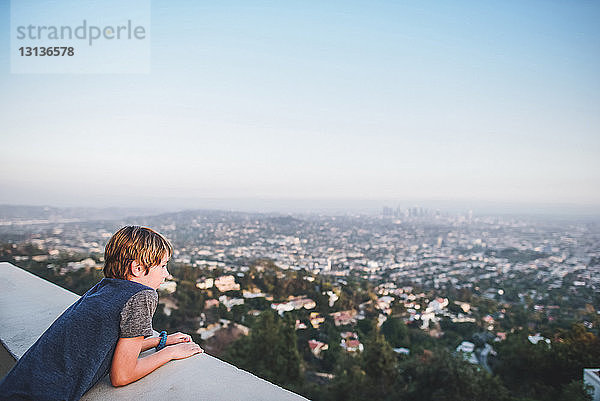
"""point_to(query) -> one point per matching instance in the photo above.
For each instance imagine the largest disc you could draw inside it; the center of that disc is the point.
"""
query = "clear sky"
(350, 100)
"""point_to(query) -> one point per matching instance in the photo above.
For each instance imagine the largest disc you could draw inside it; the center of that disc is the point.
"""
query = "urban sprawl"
(414, 258)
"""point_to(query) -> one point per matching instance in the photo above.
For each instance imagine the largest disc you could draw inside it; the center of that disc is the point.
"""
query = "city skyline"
(268, 105)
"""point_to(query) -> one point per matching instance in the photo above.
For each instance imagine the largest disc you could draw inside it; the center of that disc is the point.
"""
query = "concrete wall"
(28, 305)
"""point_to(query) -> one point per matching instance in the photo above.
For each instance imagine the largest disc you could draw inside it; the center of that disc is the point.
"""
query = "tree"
(350, 383)
(522, 366)
(546, 371)
(379, 363)
(444, 377)
(574, 349)
(331, 355)
(269, 351)
(288, 352)
(575, 391)
(395, 332)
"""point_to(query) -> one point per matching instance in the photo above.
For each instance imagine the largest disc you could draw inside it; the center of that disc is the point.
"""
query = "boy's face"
(156, 274)
(159, 273)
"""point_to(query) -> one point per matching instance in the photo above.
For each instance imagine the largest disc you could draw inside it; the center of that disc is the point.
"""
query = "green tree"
(575, 391)
(545, 371)
(574, 349)
(379, 363)
(351, 382)
(395, 332)
(444, 377)
(331, 355)
(269, 351)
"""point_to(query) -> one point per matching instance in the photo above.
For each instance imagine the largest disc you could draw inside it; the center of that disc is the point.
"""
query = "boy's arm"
(127, 368)
(149, 342)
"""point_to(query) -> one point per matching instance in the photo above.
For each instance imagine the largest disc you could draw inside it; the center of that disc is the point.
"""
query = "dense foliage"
(269, 351)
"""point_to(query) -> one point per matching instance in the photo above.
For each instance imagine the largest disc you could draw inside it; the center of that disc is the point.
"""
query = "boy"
(106, 329)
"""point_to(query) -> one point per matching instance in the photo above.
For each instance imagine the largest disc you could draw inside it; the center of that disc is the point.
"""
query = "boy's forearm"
(149, 342)
(144, 366)
(127, 367)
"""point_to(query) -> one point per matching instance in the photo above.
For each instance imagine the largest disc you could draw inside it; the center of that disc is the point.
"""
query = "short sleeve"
(136, 316)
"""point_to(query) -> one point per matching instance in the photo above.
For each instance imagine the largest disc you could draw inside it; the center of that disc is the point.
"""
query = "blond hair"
(134, 243)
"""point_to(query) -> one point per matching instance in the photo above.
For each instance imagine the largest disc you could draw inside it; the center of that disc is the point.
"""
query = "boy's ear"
(137, 270)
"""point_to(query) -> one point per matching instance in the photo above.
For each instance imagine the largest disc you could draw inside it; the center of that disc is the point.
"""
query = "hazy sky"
(459, 101)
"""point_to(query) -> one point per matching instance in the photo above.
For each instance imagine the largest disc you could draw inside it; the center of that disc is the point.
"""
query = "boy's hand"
(177, 338)
(184, 350)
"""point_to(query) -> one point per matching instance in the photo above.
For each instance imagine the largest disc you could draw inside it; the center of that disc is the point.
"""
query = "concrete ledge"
(29, 305)
(591, 377)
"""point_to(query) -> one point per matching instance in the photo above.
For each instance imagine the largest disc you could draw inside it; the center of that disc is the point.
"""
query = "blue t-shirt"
(77, 349)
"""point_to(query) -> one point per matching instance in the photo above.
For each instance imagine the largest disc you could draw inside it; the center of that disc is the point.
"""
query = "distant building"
(466, 307)
(282, 307)
(402, 351)
(230, 302)
(352, 346)
(253, 294)
(384, 304)
(426, 318)
(344, 317)
(302, 302)
(316, 319)
(437, 305)
(332, 297)
(466, 349)
(294, 303)
(208, 331)
(316, 347)
(85, 263)
(537, 338)
(350, 342)
(489, 320)
(168, 286)
(211, 303)
(205, 283)
(226, 283)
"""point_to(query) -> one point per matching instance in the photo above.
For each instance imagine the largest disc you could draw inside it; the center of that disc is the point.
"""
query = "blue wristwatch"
(163, 341)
